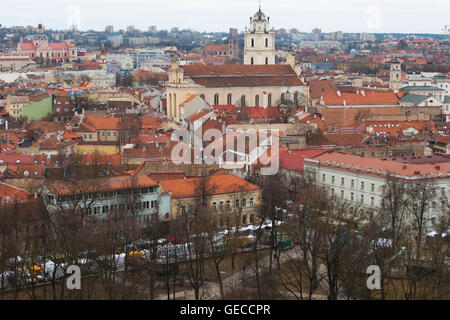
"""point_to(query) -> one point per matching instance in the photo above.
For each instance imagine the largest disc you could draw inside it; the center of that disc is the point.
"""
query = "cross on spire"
(259, 1)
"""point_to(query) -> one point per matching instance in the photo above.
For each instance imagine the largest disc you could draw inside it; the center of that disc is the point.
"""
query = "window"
(216, 99)
(229, 98)
(257, 101)
(382, 153)
(242, 101)
(153, 204)
(362, 198)
(253, 42)
(252, 218)
(390, 153)
(228, 205)
(342, 181)
(383, 189)
(332, 191)
(362, 185)
(183, 209)
(251, 202)
(372, 201)
(244, 203)
(237, 203)
(342, 194)
(214, 206)
(353, 196)
(269, 100)
(332, 179)
(323, 177)
(443, 191)
(244, 219)
(372, 187)
(251, 61)
(353, 183)
(267, 42)
(221, 205)
(267, 60)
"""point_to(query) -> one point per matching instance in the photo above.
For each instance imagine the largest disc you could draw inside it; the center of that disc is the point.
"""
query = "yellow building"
(99, 135)
(226, 196)
(14, 104)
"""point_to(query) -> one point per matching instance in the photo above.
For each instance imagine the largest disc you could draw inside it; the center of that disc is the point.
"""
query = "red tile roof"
(380, 167)
(234, 75)
(370, 98)
(293, 159)
(319, 87)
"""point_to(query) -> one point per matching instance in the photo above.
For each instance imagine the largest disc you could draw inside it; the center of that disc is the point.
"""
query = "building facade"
(102, 197)
(259, 47)
(363, 181)
(38, 47)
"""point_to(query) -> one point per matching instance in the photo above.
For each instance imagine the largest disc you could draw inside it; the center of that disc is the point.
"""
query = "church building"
(38, 47)
(259, 82)
(259, 47)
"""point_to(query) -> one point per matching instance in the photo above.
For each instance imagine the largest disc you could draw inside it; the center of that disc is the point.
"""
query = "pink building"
(37, 46)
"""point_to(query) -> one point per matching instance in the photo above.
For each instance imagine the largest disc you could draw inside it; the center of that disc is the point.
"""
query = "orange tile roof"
(10, 193)
(198, 115)
(189, 99)
(214, 185)
(104, 123)
(100, 184)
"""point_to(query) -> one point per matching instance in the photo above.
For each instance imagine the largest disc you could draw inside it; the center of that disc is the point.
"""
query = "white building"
(362, 180)
(259, 45)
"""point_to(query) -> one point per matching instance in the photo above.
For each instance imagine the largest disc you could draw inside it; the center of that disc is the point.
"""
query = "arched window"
(267, 42)
(169, 106)
(229, 98)
(243, 101)
(175, 106)
(257, 100)
(269, 100)
(251, 61)
(267, 60)
(216, 99)
(253, 42)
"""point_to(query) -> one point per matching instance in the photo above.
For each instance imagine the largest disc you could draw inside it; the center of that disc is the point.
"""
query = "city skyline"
(215, 16)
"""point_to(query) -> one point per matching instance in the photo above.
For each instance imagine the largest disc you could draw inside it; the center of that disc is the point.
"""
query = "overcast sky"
(404, 16)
